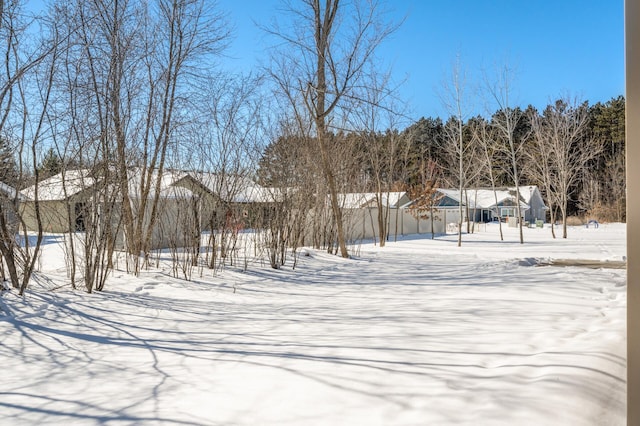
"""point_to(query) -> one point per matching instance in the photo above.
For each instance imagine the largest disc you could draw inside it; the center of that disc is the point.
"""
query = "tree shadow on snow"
(384, 338)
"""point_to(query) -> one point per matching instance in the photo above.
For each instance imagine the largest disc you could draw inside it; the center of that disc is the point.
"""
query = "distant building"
(188, 203)
(486, 205)
(62, 202)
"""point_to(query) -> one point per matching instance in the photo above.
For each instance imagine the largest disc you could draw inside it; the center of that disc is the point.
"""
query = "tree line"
(574, 152)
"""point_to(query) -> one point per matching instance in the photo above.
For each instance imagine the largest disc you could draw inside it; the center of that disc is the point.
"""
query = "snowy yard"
(420, 332)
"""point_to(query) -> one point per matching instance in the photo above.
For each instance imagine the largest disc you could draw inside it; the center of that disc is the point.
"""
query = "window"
(507, 211)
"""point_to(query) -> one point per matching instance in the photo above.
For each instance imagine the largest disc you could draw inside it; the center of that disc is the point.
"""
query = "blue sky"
(556, 47)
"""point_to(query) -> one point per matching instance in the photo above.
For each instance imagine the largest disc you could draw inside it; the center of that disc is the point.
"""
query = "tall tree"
(607, 125)
(426, 141)
(319, 68)
(383, 151)
(540, 167)
(8, 164)
(485, 139)
(562, 130)
(51, 164)
(25, 98)
(455, 99)
(506, 121)
(134, 65)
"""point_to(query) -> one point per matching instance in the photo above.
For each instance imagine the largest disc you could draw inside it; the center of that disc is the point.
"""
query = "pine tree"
(51, 164)
(8, 166)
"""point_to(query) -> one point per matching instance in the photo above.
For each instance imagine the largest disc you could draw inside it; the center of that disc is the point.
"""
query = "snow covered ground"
(420, 332)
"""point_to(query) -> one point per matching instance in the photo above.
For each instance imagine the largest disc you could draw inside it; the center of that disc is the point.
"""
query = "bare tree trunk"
(27, 70)
(561, 130)
(506, 121)
(460, 174)
(487, 144)
(335, 66)
(454, 99)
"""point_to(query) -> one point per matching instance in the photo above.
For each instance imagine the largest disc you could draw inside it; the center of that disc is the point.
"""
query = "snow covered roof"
(526, 192)
(356, 200)
(167, 180)
(177, 192)
(75, 181)
(484, 198)
(60, 186)
(231, 188)
(234, 188)
(10, 191)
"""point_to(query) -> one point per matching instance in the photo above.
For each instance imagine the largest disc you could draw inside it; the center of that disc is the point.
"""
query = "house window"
(507, 211)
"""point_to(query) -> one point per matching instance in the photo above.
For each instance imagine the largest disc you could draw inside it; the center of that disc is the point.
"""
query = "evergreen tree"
(427, 139)
(8, 166)
(51, 164)
(603, 193)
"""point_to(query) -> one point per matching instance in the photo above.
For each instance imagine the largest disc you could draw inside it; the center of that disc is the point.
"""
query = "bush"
(575, 221)
(604, 214)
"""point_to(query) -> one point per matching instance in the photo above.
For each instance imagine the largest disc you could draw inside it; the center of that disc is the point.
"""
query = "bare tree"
(25, 97)
(474, 173)
(225, 144)
(606, 189)
(540, 164)
(454, 98)
(288, 172)
(483, 136)
(506, 121)
(562, 131)
(137, 64)
(382, 150)
(425, 196)
(319, 67)
(188, 34)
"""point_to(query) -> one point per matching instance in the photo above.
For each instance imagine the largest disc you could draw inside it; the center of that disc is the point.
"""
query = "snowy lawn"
(420, 332)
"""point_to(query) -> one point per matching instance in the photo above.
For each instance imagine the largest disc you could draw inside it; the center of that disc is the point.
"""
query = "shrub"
(575, 221)
(605, 213)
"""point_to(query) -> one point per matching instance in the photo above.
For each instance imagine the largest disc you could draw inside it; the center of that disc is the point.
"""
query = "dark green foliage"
(427, 140)
(283, 161)
(607, 173)
(51, 164)
(608, 124)
(8, 166)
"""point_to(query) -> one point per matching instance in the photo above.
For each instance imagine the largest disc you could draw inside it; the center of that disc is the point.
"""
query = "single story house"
(228, 200)
(361, 216)
(177, 223)
(62, 201)
(359, 200)
(532, 196)
(486, 205)
(69, 200)
(189, 203)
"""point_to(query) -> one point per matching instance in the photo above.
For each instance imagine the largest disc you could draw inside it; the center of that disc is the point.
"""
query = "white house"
(357, 200)
(486, 205)
(229, 197)
(62, 200)
(361, 216)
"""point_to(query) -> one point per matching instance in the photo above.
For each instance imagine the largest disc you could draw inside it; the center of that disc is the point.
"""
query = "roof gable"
(355, 200)
(61, 186)
(230, 188)
(480, 198)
